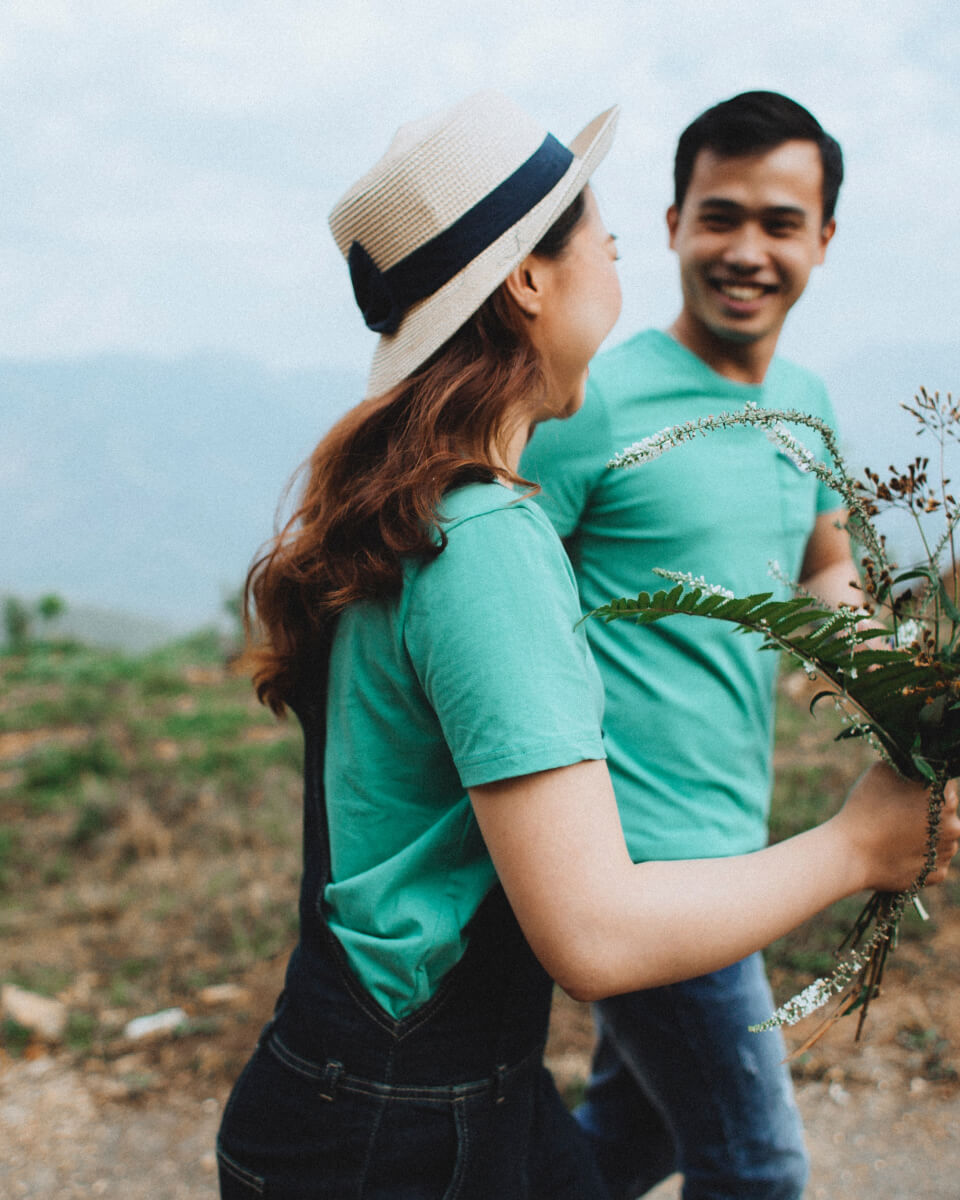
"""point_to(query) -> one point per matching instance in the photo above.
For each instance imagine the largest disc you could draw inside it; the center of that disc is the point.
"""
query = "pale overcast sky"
(168, 165)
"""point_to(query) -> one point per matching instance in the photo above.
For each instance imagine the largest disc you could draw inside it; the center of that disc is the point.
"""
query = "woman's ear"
(526, 283)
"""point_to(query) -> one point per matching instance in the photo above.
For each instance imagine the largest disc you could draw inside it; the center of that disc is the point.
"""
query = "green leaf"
(927, 573)
(948, 605)
(924, 768)
(884, 690)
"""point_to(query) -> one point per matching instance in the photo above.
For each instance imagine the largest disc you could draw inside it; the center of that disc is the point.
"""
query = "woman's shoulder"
(507, 508)
(494, 535)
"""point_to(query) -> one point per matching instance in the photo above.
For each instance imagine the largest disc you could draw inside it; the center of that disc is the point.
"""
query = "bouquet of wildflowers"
(892, 666)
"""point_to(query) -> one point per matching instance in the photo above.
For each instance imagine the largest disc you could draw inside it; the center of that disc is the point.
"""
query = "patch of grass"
(59, 869)
(14, 1037)
(287, 752)
(55, 770)
(243, 937)
(119, 992)
(267, 935)
(80, 1031)
(208, 723)
(44, 980)
(160, 681)
(92, 820)
(165, 904)
(203, 648)
(9, 849)
(194, 979)
(135, 968)
(931, 1048)
(36, 714)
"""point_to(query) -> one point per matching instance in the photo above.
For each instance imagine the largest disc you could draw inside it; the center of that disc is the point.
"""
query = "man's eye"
(717, 221)
(782, 228)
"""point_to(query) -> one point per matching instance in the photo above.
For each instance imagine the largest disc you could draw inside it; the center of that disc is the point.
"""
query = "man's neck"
(741, 362)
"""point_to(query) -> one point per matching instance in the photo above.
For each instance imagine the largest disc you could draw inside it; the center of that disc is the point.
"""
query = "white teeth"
(742, 291)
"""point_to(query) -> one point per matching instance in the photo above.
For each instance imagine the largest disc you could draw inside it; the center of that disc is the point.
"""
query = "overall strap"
(311, 711)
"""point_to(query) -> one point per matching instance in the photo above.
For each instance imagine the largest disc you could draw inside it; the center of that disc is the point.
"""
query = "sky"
(168, 165)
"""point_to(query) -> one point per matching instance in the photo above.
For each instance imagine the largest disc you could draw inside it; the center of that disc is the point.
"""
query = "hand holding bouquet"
(892, 667)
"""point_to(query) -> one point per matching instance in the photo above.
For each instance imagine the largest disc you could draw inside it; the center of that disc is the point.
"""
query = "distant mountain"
(106, 627)
(145, 486)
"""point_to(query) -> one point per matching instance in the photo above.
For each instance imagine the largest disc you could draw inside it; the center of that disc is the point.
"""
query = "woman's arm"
(602, 925)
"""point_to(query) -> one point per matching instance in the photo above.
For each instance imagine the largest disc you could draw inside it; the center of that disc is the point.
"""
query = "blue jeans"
(341, 1102)
(679, 1084)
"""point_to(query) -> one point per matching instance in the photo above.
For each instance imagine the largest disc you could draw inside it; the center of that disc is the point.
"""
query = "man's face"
(747, 236)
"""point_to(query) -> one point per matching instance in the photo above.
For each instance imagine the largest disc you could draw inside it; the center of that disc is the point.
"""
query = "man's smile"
(741, 292)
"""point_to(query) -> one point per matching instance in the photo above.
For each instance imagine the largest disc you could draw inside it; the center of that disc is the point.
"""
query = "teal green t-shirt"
(689, 712)
(476, 672)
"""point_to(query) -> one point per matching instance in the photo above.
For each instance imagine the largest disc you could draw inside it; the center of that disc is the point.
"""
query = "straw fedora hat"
(459, 199)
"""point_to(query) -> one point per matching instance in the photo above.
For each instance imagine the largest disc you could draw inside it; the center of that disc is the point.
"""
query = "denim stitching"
(241, 1174)
(448, 1093)
(460, 1167)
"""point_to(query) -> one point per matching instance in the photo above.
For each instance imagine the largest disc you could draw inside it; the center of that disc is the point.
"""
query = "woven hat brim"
(429, 323)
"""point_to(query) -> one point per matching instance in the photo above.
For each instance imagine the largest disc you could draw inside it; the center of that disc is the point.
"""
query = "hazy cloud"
(168, 166)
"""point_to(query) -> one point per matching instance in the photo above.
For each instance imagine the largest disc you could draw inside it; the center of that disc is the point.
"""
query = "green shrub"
(14, 1037)
(56, 769)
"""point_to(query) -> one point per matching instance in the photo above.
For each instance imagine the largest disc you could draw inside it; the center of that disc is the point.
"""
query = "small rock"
(126, 1063)
(164, 1021)
(223, 993)
(838, 1094)
(39, 1014)
(109, 1089)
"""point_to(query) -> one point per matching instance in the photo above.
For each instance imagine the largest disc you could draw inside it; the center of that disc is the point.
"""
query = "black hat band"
(384, 296)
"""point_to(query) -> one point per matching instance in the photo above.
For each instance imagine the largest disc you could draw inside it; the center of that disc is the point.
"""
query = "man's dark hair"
(750, 123)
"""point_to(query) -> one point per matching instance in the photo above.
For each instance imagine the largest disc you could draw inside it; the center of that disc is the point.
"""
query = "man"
(678, 1083)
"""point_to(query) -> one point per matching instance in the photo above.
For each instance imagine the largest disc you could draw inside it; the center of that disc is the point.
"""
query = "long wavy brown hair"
(372, 489)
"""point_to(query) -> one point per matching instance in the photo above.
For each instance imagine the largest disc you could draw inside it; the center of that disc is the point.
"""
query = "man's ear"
(673, 220)
(826, 233)
(526, 284)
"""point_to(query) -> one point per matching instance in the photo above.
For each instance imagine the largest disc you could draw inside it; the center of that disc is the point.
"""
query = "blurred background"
(177, 327)
(177, 330)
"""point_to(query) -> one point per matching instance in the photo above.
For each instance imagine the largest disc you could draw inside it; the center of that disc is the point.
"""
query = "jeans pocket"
(236, 1182)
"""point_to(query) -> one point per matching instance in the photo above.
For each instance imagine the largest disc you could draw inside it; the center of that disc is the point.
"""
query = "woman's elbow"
(586, 972)
(584, 991)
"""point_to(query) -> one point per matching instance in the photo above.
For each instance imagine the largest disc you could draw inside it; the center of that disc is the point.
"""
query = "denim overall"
(340, 1101)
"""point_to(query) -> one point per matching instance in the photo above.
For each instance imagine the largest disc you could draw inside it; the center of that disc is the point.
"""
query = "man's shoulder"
(793, 370)
(799, 386)
(625, 366)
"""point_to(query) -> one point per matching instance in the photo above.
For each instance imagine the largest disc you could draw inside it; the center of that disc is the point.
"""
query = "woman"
(461, 840)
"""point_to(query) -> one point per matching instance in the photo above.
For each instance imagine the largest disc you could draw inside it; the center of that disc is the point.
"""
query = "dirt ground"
(162, 883)
(882, 1115)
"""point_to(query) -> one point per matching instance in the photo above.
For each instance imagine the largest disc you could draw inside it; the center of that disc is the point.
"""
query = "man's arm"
(828, 570)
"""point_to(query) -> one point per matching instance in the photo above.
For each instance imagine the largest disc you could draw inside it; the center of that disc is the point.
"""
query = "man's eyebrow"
(723, 204)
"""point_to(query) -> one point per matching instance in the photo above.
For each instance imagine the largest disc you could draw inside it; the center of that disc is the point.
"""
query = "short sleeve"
(491, 628)
(566, 458)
